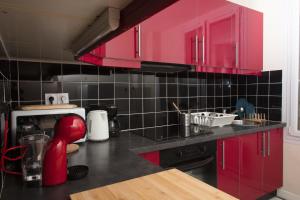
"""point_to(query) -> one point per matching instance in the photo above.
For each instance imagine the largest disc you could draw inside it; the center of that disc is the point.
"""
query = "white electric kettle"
(97, 125)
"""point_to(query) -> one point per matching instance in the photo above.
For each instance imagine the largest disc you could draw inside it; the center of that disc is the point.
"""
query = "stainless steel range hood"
(164, 67)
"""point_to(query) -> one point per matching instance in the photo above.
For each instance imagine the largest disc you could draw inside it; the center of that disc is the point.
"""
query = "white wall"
(279, 17)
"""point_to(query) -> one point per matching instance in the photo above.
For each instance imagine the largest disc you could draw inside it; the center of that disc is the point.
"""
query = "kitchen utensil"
(176, 107)
(32, 161)
(48, 107)
(68, 129)
(97, 125)
(185, 119)
(77, 172)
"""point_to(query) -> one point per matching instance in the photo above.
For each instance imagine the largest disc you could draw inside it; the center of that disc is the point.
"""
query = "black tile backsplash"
(143, 99)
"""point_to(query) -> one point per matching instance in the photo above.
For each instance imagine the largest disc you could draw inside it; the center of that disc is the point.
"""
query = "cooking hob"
(172, 132)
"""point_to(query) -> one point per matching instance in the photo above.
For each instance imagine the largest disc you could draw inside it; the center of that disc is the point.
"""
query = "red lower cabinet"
(250, 166)
(228, 165)
(153, 157)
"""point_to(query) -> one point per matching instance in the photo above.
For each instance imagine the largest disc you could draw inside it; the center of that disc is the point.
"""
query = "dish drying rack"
(207, 120)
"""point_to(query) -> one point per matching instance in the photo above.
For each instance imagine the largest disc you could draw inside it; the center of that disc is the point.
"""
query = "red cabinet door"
(251, 163)
(222, 29)
(228, 165)
(273, 172)
(153, 157)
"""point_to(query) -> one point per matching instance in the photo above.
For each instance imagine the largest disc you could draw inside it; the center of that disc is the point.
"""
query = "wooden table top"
(167, 185)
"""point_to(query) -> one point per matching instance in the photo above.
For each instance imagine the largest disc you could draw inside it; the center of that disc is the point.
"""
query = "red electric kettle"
(67, 129)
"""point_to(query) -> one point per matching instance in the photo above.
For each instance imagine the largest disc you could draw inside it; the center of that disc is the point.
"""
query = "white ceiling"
(44, 29)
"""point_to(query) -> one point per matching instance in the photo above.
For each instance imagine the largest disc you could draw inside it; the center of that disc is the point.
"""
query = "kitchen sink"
(243, 123)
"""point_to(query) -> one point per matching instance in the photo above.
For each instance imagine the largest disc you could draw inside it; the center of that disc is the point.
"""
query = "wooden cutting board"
(166, 185)
(48, 107)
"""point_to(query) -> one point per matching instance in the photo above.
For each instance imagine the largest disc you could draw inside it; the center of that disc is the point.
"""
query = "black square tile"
(252, 100)
(135, 77)
(136, 106)
(106, 75)
(183, 90)
(122, 90)
(193, 91)
(170, 103)
(13, 66)
(51, 87)
(172, 90)
(121, 75)
(219, 90)
(149, 90)
(136, 121)
(202, 78)
(161, 78)
(74, 90)
(123, 106)
(226, 102)
(161, 119)
(173, 118)
(262, 101)
(161, 104)
(210, 78)
(263, 89)
(276, 89)
(51, 71)
(242, 79)
(201, 102)
(210, 90)
(226, 90)
(202, 90)
(183, 103)
(218, 79)
(106, 90)
(89, 73)
(210, 102)
(193, 78)
(234, 79)
(234, 90)
(226, 79)
(90, 90)
(276, 76)
(149, 120)
(14, 90)
(161, 90)
(275, 114)
(193, 104)
(30, 91)
(252, 89)
(30, 71)
(105, 103)
(233, 101)
(172, 78)
(242, 90)
(71, 73)
(136, 90)
(148, 77)
(149, 105)
(4, 68)
(86, 103)
(219, 102)
(183, 78)
(124, 122)
(275, 102)
(251, 79)
(264, 78)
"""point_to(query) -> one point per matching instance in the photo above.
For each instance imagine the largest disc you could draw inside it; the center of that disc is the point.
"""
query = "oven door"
(203, 169)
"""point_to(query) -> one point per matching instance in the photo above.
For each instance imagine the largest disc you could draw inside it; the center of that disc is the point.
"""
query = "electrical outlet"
(50, 98)
(63, 98)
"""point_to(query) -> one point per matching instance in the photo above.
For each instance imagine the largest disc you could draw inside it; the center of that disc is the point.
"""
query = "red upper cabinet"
(118, 52)
(228, 165)
(273, 162)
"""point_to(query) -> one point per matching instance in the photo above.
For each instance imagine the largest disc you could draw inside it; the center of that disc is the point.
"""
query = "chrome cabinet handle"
(269, 144)
(223, 155)
(263, 145)
(203, 49)
(236, 55)
(196, 49)
(138, 41)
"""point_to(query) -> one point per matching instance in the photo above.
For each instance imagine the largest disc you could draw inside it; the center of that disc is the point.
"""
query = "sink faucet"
(238, 110)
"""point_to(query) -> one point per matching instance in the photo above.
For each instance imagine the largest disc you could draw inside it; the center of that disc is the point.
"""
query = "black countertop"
(116, 160)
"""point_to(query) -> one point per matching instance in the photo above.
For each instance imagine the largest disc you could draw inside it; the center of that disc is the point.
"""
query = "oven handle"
(193, 165)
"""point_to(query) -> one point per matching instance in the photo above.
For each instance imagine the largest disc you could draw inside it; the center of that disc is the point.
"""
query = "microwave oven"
(39, 120)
